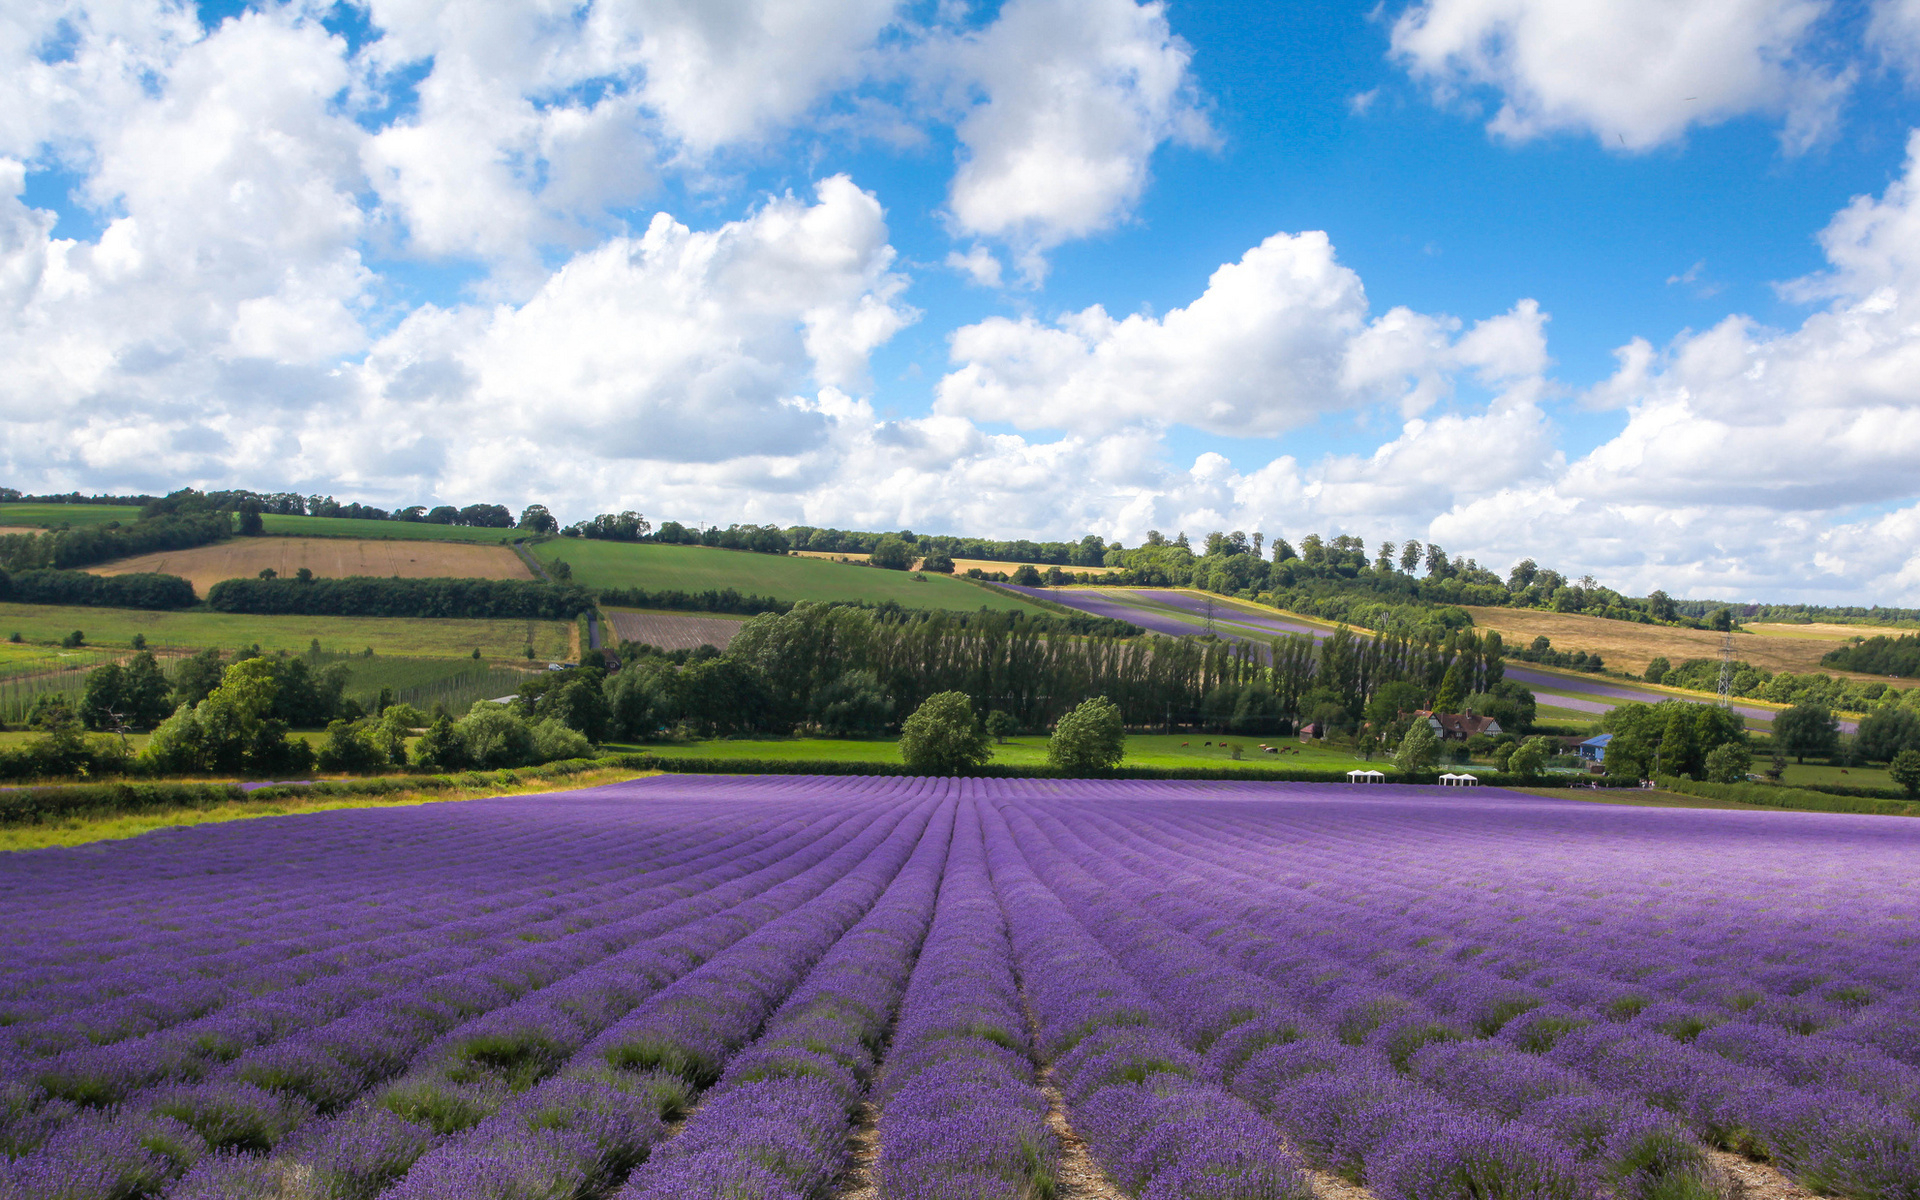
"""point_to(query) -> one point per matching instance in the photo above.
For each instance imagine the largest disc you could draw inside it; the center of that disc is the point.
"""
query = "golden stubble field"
(960, 565)
(1631, 647)
(328, 558)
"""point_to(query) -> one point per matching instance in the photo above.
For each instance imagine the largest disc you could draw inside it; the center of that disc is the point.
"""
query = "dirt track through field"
(328, 558)
(672, 631)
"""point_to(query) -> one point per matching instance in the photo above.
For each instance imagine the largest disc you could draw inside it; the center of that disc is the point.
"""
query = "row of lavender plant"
(1420, 1145)
(961, 1115)
(1138, 1094)
(511, 1101)
(265, 1093)
(186, 984)
(195, 902)
(1840, 1141)
(1366, 1106)
(1812, 965)
(666, 1050)
(775, 1125)
(1845, 1123)
(499, 953)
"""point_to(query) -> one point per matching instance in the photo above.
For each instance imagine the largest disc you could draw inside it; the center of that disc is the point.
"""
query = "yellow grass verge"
(1630, 647)
(9, 529)
(103, 829)
(960, 565)
(1820, 631)
(328, 558)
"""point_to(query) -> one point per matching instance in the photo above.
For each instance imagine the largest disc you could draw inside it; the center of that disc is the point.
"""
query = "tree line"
(292, 504)
(1879, 655)
(65, 549)
(1786, 687)
(141, 590)
(369, 596)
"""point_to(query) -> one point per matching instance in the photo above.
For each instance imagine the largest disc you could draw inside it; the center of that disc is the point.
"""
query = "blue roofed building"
(1594, 749)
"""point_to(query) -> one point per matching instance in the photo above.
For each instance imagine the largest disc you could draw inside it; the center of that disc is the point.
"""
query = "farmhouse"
(1594, 749)
(1458, 727)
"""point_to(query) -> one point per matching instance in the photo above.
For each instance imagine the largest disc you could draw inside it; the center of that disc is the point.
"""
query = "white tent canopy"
(1365, 776)
(1461, 780)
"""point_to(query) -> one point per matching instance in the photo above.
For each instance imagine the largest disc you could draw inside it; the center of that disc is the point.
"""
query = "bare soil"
(671, 631)
(1081, 1178)
(327, 558)
(1748, 1180)
(863, 1147)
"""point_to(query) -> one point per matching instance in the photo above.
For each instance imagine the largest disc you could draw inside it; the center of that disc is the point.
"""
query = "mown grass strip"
(180, 804)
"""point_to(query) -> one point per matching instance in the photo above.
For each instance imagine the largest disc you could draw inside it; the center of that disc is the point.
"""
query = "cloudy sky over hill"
(1633, 288)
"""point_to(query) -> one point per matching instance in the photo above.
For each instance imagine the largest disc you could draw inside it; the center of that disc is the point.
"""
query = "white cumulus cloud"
(1633, 73)
(1278, 338)
(1070, 99)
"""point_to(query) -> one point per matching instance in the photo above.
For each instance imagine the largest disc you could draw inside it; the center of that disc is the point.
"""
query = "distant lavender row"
(1439, 995)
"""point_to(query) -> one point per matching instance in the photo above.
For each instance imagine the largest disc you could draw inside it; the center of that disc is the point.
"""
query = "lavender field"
(928, 989)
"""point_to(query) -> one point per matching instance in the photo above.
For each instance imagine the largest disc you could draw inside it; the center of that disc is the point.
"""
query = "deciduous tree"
(1090, 738)
(942, 738)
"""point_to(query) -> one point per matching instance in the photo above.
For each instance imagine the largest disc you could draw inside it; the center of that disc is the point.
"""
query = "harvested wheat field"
(672, 631)
(9, 529)
(328, 558)
(960, 565)
(1629, 647)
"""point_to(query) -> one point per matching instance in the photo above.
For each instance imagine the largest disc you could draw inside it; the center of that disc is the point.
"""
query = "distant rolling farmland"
(198, 628)
(41, 516)
(671, 631)
(328, 558)
(962, 565)
(597, 564)
(354, 527)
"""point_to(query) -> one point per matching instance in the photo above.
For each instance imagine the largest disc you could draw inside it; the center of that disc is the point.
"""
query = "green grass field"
(29, 659)
(410, 531)
(48, 515)
(784, 577)
(1143, 750)
(198, 629)
(1802, 774)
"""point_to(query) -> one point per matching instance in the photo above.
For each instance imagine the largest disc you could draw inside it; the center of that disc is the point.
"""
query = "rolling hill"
(656, 567)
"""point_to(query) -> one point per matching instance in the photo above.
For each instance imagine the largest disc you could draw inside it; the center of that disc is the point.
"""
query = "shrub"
(1729, 763)
(1905, 770)
(942, 738)
(1090, 738)
(1418, 749)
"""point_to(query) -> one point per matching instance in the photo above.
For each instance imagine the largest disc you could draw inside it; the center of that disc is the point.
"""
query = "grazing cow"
(1186, 744)
(1206, 743)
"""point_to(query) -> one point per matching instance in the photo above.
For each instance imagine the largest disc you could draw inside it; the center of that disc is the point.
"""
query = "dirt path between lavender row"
(863, 1147)
(1756, 1181)
(1080, 1176)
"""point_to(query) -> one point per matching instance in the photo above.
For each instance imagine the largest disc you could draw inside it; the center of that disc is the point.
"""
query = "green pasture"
(598, 564)
(76, 515)
(1143, 750)
(1803, 774)
(405, 531)
(29, 659)
(199, 629)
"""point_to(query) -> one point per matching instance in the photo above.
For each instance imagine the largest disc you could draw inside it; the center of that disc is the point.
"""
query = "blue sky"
(1626, 292)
